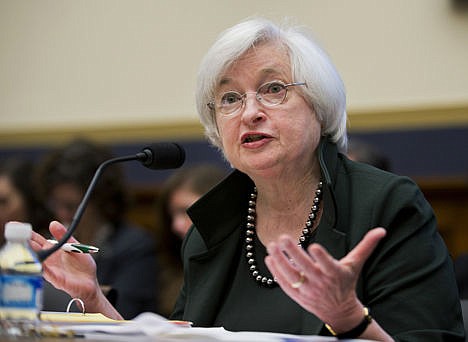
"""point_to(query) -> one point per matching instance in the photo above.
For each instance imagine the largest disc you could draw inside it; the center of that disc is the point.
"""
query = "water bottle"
(20, 282)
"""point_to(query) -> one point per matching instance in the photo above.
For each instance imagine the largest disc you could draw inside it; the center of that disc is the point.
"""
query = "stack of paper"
(152, 327)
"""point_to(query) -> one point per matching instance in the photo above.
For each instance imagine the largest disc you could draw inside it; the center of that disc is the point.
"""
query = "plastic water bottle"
(20, 282)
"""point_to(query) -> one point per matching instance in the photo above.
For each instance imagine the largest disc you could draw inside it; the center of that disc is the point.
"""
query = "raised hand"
(318, 282)
(72, 272)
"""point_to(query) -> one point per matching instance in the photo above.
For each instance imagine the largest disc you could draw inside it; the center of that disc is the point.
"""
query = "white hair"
(325, 90)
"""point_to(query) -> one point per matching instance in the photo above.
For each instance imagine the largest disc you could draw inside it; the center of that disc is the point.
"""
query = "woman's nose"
(253, 109)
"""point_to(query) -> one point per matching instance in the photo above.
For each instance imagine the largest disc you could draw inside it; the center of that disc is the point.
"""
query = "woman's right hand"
(74, 273)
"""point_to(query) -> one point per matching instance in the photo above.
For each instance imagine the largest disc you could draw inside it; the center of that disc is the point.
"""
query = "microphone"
(162, 156)
(158, 156)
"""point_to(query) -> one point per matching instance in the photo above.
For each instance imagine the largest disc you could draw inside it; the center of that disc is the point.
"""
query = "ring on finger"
(298, 283)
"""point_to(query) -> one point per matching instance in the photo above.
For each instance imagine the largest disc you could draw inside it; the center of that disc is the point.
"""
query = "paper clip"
(72, 301)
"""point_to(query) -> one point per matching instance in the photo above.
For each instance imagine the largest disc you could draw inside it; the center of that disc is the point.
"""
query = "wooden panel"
(449, 198)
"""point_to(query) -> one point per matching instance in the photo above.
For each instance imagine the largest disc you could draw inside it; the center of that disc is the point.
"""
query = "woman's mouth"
(253, 137)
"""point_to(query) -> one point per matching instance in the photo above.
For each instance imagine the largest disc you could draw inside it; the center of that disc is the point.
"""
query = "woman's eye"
(230, 98)
(275, 88)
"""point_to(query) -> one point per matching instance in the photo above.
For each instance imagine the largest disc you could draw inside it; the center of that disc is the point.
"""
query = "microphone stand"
(45, 253)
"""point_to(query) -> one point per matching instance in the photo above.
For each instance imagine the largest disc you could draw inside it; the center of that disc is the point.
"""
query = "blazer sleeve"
(409, 280)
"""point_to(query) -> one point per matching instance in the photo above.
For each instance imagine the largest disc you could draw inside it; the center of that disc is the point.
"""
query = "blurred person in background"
(127, 260)
(363, 152)
(18, 196)
(179, 192)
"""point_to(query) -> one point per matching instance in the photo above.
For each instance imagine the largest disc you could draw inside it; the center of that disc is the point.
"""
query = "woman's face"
(12, 204)
(267, 141)
(63, 202)
(179, 201)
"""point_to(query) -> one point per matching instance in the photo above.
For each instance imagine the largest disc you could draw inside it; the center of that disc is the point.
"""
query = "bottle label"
(21, 291)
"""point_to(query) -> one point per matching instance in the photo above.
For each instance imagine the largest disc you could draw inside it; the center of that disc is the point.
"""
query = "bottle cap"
(18, 230)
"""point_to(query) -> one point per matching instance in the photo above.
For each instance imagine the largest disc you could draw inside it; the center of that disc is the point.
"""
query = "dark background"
(420, 153)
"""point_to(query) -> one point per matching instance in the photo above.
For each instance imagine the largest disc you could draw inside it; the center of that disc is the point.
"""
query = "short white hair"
(325, 90)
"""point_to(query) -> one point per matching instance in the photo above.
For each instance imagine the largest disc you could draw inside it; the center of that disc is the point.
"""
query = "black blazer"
(408, 282)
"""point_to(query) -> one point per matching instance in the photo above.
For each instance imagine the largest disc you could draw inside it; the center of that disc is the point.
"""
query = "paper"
(75, 317)
(157, 327)
(152, 327)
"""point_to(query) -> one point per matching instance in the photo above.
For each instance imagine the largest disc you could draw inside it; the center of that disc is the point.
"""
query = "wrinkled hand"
(319, 283)
(74, 273)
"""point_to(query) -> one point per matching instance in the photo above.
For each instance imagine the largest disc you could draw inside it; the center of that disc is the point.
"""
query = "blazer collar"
(220, 211)
(227, 203)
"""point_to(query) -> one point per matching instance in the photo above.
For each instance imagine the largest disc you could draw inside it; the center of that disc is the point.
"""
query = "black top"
(247, 300)
(408, 282)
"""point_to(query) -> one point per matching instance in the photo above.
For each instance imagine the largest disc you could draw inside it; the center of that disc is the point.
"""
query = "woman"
(126, 251)
(276, 110)
(367, 153)
(179, 192)
(18, 196)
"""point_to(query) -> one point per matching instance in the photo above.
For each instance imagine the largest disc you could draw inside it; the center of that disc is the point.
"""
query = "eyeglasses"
(269, 94)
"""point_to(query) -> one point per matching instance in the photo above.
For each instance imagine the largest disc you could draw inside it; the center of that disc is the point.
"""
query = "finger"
(279, 257)
(287, 280)
(283, 278)
(38, 242)
(359, 254)
(323, 260)
(38, 239)
(283, 262)
(289, 254)
(58, 230)
(291, 250)
(299, 258)
(35, 246)
(278, 263)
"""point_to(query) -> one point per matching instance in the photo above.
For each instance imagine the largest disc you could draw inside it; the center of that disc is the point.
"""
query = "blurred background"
(122, 72)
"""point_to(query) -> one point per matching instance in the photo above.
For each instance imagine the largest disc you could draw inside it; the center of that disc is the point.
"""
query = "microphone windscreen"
(164, 155)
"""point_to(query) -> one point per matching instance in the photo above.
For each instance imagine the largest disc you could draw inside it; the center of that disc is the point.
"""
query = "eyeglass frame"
(212, 105)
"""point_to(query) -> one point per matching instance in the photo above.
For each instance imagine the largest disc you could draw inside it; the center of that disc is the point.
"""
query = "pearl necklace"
(250, 235)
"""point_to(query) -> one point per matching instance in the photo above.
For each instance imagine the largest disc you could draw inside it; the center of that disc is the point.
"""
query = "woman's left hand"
(319, 283)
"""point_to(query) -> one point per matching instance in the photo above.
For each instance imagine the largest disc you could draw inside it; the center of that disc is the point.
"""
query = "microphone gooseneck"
(156, 156)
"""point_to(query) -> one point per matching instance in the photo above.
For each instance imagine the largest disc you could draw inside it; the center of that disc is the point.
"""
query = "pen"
(77, 247)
